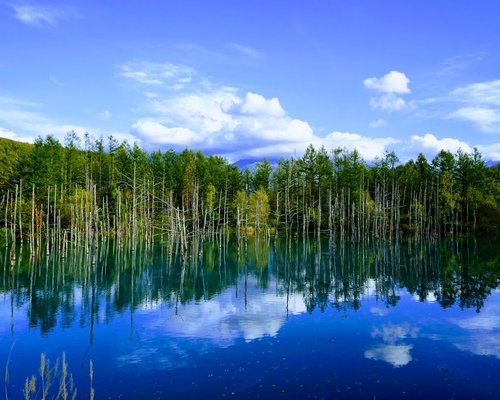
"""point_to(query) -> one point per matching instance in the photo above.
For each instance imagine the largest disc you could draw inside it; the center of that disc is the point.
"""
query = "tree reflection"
(90, 287)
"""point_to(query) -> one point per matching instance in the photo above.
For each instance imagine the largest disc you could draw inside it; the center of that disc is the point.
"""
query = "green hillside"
(10, 154)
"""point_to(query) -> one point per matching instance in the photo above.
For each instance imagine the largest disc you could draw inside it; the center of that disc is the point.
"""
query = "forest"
(86, 189)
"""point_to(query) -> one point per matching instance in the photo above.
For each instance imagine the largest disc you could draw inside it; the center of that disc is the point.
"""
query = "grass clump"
(53, 382)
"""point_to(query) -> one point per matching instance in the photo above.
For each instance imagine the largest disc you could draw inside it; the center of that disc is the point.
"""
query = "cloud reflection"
(480, 333)
(392, 350)
(396, 355)
(229, 317)
(211, 324)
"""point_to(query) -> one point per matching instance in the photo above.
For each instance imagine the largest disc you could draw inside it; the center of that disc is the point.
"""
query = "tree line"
(84, 189)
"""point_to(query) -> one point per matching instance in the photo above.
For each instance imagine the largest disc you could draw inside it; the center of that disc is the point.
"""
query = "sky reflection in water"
(270, 319)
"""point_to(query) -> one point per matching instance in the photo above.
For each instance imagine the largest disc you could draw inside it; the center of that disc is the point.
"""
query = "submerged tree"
(90, 189)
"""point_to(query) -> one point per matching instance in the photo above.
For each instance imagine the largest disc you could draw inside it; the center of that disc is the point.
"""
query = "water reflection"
(393, 348)
(246, 318)
(222, 291)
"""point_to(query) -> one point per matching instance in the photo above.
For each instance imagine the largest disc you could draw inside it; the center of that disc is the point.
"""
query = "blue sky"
(254, 79)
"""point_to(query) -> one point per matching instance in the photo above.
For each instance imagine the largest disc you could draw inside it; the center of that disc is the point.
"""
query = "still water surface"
(266, 319)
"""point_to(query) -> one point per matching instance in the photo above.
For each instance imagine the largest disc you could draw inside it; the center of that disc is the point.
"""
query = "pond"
(260, 319)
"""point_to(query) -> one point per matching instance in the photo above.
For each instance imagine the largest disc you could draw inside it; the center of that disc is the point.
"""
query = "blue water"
(270, 320)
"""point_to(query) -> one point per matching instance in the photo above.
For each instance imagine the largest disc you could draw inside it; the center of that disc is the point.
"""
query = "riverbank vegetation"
(55, 194)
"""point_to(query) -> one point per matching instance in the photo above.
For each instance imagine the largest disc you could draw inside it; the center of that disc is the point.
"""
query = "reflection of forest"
(87, 288)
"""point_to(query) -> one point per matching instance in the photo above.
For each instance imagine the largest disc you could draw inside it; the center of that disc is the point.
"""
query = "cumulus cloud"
(391, 85)
(490, 151)
(429, 143)
(390, 102)
(217, 118)
(369, 148)
(392, 82)
(155, 132)
(255, 104)
(38, 15)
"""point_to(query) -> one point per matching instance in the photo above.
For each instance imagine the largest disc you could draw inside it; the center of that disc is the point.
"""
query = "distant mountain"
(492, 163)
(250, 163)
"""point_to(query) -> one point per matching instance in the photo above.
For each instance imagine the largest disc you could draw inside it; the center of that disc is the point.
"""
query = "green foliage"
(262, 175)
(12, 154)
(258, 205)
(334, 190)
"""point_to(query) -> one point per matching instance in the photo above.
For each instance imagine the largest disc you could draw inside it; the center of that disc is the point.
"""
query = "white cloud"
(155, 132)
(23, 121)
(490, 151)
(255, 104)
(392, 82)
(204, 112)
(8, 134)
(482, 105)
(485, 93)
(391, 85)
(216, 118)
(29, 122)
(457, 64)
(429, 143)
(36, 14)
(242, 137)
(369, 148)
(174, 76)
(487, 119)
(390, 102)
(378, 123)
